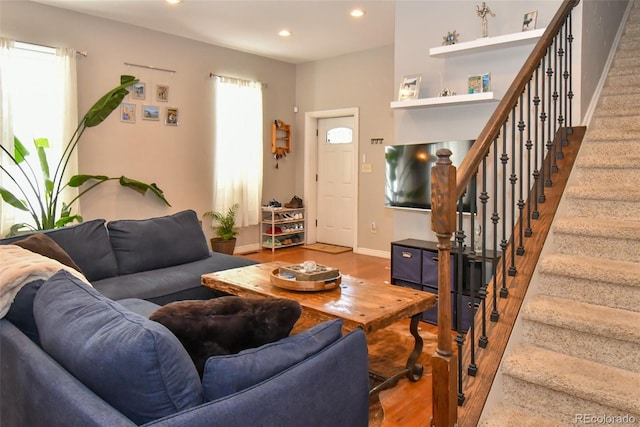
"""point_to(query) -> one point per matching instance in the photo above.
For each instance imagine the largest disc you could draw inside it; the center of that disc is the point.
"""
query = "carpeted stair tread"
(582, 379)
(615, 160)
(607, 282)
(503, 416)
(624, 66)
(596, 147)
(589, 318)
(618, 123)
(592, 268)
(594, 227)
(609, 193)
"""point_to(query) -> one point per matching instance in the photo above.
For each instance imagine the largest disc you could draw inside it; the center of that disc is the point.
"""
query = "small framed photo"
(171, 118)
(128, 113)
(475, 83)
(162, 93)
(529, 21)
(409, 87)
(486, 82)
(138, 90)
(150, 112)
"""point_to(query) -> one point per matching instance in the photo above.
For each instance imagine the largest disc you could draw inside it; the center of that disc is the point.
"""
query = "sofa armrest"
(36, 391)
(331, 388)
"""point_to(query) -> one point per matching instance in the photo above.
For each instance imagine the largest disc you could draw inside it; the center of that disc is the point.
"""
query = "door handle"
(407, 254)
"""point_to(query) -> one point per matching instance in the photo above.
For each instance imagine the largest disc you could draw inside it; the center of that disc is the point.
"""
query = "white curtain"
(38, 98)
(237, 171)
(7, 213)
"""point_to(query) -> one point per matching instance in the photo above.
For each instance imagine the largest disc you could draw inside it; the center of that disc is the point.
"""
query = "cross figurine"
(482, 13)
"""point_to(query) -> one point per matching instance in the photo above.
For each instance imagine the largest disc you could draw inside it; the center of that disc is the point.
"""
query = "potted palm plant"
(226, 230)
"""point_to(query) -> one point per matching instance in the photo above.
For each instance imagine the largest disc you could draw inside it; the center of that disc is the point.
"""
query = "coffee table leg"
(412, 370)
(415, 370)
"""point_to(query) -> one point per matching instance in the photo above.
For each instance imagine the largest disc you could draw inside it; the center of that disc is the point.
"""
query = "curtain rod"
(265, 85)
(83, 53)
(150, 67)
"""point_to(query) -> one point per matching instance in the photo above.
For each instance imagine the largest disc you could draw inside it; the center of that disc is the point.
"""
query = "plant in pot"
(43, 200)
(226, 230)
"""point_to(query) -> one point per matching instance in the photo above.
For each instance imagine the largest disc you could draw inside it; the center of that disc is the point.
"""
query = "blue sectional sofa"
(80, 355)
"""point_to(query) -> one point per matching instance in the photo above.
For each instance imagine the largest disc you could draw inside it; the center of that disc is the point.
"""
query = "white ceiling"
(320, 28)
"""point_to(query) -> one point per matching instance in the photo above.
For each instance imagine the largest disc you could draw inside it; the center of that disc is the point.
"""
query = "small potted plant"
(225, 230)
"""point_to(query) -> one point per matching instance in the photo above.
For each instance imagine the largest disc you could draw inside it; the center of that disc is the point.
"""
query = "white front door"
(336, 181)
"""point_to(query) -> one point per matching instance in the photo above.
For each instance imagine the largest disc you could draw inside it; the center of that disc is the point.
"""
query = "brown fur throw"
(228, 324)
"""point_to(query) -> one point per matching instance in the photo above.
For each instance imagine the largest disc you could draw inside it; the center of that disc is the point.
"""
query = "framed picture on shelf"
(128, 113)
(409, 87)
(529, 21)
(162, 93)
(138, 90)
(171, 118)
(486, 82)
(150, 112)
(475, 83)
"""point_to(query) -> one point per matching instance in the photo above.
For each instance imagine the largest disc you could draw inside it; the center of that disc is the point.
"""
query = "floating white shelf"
(487, 43)
(443, 101)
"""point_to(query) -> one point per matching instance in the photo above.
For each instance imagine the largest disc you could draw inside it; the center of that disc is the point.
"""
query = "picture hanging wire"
(264, 85)
(150, 67)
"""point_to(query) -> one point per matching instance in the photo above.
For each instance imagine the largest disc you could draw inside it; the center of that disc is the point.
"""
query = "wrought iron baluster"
(528, 231)
(536, 170)
(521, 128)
(457, 294)
(484, 197)
(543, 121)
(513, 180)
(495, 218)
(550, 123)
(552, 137)
(504, 159)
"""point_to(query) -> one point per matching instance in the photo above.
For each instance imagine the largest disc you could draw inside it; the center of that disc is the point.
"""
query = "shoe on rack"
(295, 203)
(274, 204)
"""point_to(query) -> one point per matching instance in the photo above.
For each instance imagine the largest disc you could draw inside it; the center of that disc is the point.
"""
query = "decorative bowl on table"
(306, 277)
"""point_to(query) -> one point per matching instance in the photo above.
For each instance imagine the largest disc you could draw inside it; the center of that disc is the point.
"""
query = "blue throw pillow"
(149, 244)
(134, 364)
(225, 375)
(21, 311)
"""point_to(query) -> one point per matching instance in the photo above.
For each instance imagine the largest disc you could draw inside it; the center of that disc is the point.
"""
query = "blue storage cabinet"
(414, 264)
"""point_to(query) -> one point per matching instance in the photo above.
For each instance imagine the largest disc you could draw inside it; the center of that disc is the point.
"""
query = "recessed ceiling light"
(284, 33)
(174, 1)
(357, 13)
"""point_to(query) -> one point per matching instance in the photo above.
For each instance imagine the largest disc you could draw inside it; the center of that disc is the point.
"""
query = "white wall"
(176, 158)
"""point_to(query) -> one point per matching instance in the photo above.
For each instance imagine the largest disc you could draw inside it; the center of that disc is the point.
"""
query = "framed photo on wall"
(162, 93)
(138, 90)
(409, 87)
(128, 113)
(150, 112)
(171, 118)
(529, 21)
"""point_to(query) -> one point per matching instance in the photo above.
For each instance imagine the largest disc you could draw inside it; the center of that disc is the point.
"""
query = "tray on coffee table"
(303, 285)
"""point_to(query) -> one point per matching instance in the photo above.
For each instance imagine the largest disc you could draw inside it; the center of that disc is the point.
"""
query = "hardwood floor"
(408, 404)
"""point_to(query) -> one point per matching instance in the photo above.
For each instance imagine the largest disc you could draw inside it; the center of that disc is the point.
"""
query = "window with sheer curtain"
(237, 148)
(38, 99)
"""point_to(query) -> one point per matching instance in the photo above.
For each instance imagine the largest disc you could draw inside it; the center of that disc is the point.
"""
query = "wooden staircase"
(579, 352)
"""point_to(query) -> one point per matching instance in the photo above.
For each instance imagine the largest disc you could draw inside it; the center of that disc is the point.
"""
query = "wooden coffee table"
(360, 304)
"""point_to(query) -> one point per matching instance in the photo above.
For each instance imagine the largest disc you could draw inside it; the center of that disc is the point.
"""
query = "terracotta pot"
(223, 246)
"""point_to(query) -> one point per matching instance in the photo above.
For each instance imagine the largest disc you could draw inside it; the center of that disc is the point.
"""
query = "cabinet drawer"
(431, 315)
(430, 269)
(465, 314)
(407, 263)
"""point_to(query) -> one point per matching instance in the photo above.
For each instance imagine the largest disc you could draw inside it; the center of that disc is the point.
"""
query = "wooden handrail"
(467, 169)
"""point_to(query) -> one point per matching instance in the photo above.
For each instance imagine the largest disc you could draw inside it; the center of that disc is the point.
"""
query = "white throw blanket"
(19, 266)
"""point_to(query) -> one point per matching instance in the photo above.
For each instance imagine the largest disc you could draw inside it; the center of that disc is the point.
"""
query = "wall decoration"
(475, 83)
(482, 13)
(150, 112)
(450, 38)
(162, 93)
(171, 118)
(529, 21)
(138, 90)
(128, 113)
(486, 82)
(409, 87)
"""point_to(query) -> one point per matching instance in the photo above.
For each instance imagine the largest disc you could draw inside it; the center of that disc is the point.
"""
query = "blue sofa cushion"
(21, 311)
(132, 363)
(225, 375)
(149, 244)
(88, 246)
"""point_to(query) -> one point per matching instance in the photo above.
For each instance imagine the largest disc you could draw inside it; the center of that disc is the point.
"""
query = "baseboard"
(372, 252)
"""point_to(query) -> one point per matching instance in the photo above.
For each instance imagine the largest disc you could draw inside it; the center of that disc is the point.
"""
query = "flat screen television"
(408, 172)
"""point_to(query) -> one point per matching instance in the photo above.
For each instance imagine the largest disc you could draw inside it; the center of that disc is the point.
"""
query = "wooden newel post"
(443, 223)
